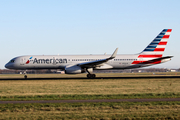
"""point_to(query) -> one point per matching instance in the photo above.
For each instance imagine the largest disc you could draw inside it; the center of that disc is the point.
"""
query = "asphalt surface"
(85, 101)
(79, 78)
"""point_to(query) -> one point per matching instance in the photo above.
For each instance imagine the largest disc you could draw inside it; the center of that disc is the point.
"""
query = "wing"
(97, 63)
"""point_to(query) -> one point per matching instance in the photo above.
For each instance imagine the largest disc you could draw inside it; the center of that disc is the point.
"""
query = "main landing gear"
(89, 75)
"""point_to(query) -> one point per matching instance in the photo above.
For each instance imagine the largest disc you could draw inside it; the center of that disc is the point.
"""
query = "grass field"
(94, 111)
(88, 86)
(84, 75)
(90, 89)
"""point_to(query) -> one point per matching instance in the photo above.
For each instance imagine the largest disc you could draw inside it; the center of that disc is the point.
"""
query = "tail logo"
(159, 43)
(155, 49)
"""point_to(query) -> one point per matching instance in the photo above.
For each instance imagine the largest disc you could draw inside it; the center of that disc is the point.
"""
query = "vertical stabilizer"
(156, 48)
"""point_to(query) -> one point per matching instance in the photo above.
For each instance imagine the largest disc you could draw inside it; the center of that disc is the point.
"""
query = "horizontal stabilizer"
(156, 60)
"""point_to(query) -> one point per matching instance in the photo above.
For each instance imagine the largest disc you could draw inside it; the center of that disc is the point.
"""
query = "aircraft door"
(141, 60)
(22, 61)
(54, 61)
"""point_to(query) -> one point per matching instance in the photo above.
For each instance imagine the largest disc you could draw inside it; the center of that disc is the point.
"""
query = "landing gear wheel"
(88, 75)
(25, 76)
(91, 75)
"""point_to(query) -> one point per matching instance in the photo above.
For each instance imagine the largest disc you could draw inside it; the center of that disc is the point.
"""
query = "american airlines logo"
(46, 61)
(29, 60)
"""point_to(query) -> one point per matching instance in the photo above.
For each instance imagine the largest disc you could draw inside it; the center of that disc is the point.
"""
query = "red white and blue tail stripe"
(156, 48)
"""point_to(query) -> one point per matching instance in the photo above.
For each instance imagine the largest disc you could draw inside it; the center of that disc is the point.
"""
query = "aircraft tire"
(25, 77)
(91, 76)
(88, 75)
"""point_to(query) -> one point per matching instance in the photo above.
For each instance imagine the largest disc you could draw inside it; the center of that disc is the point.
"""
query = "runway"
(90, 101)
(79, 78)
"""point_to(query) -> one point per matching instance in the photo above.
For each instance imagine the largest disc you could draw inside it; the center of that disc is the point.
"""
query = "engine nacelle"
(104, 66)
(74, 70)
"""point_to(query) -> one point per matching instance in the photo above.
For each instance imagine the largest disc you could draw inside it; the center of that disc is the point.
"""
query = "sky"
(68, 27)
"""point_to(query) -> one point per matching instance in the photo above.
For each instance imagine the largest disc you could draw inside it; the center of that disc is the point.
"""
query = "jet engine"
(74, 70)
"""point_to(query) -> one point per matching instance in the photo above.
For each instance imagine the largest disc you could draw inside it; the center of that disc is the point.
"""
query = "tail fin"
(156, 48)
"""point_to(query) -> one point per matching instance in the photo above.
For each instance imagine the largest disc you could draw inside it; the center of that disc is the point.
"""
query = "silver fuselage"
(61, 61)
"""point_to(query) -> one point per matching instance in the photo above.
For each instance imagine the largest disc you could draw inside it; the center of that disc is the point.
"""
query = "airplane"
(75, 64)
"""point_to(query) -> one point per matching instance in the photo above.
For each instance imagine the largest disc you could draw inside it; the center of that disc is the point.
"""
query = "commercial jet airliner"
(74, 64)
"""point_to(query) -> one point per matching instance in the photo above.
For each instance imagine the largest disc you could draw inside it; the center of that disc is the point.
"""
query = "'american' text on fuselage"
(49, 61)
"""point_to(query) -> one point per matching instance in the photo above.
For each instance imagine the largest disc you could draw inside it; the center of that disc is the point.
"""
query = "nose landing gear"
(25, 75)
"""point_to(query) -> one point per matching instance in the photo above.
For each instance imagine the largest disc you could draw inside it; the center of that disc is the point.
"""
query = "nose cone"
(9, 66)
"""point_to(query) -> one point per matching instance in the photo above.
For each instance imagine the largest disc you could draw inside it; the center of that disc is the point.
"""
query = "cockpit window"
(12, 61)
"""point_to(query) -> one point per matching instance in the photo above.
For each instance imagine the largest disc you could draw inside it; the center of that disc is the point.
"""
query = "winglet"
(114, 54)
